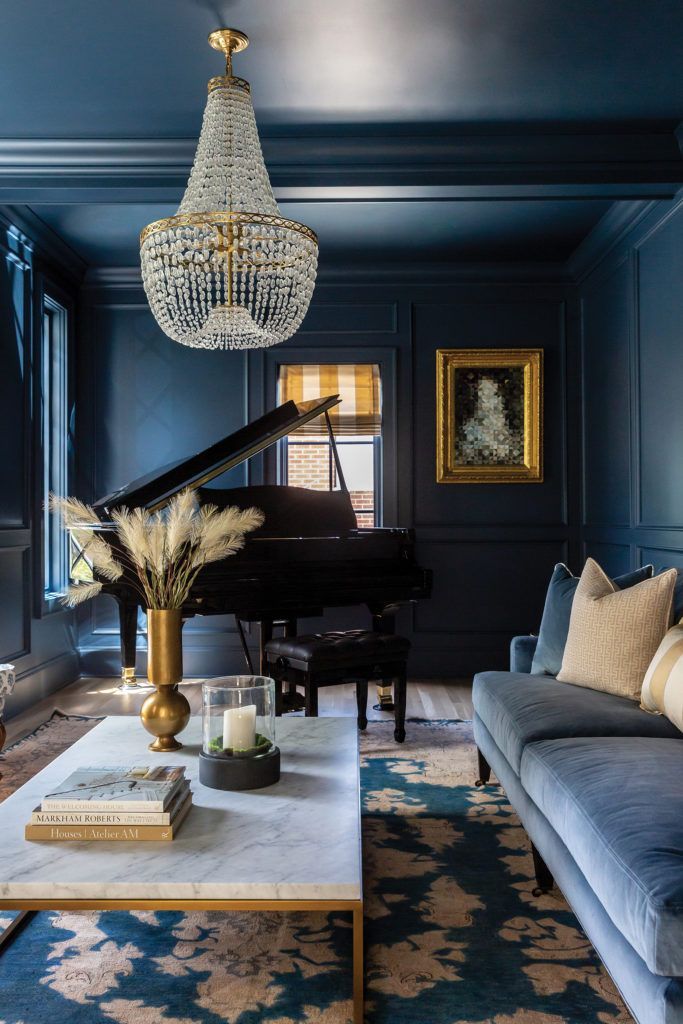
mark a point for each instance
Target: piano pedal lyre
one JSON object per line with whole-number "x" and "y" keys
{"x": 385, "y": 697}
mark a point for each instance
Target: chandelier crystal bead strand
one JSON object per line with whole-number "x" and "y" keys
{"x": 228, "y": 270}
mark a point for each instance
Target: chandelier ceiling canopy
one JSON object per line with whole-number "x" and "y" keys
{"x": 228, "y": 270}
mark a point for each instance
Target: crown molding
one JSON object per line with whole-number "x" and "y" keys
{"x": 618, "y": 221}
{"x": 382, "y": 273}
{"x": 112, "y": 277}
{"x": 43, "y": 241}
{"x": 633, "y": 159}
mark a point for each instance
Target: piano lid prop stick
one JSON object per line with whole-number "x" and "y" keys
{"x": 239, "y": 728}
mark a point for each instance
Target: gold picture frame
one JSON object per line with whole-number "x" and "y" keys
{"x": 489, "y": 415}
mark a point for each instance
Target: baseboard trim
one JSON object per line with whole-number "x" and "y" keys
{"x": 197, "y": 662}
{"x": 41, "y": 681}
{"x": 435, "y": 663}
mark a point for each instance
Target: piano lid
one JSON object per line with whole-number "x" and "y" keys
{"x": 156, "y": 489}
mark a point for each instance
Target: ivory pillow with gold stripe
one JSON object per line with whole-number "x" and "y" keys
{"x": 614, "y": 634}
{"x": 663, "y": 685}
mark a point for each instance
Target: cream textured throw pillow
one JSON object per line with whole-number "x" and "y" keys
{"x": 663, "y": 685}
{"x": 614, "y": 634}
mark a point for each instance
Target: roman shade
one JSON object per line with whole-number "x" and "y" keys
{"x": 358, "y": 386}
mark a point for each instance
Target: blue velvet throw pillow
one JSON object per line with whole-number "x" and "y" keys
{"x": 678, "y": 589}
{"x": 557, "y": 610}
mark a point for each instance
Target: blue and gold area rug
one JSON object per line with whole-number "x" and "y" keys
{"x": 453, "y": 933}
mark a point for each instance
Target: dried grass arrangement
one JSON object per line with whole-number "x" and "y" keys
{"x": 161, "y": 552}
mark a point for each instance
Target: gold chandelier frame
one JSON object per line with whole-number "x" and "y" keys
{"x": 226, "y": 217}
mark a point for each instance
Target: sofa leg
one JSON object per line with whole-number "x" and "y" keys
{"x": 543, "y": 877}
{"x": 484, "y": 769}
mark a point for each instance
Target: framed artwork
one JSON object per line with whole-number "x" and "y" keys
{"x": 489, "y": 415}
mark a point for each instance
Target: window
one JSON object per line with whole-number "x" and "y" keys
{"x": 55, "y": 436}
{"x": 307, "y": 456}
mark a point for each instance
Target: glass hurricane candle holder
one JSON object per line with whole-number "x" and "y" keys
{"x": 238, "y": 733}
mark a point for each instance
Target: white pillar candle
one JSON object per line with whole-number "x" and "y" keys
{"x": 239, "y": 728}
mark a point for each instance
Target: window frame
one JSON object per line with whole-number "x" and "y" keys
{"x": 374, "y": 441}
{"x": 50, "y": 292}
{"x": 265, "y": 469}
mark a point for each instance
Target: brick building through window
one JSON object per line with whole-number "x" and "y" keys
{"x": 307, "y": 457}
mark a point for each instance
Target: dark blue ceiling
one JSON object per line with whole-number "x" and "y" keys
{"x": 106, "y": 235}
{"x": 138, "y": 68}
{"x": 330, "y": 70}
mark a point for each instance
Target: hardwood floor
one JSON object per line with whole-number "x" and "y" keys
{"x": 87, "y": 696}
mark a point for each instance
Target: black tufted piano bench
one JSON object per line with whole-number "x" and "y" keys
{"x": 326, "y": 659}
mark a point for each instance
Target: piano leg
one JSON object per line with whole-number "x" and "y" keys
{"x": 128, "y": 619}
{"x": 384, "y": 622}
{"x": 292, "y": 702}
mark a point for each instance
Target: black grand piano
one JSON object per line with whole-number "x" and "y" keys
{"x": 308, "y": 555}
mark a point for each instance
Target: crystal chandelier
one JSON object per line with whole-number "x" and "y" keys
{"x": 228, "y": 271}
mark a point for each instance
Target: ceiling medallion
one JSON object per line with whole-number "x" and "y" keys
{"x": 228, "y": 271}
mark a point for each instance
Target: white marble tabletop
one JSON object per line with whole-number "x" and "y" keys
{"x": 297, "y": 840}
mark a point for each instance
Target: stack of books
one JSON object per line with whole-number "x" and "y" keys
{"x": 130, "y": 804}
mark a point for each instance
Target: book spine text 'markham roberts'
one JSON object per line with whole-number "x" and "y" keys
{"x": 107, "y": 833}
{"x": 127, "y": 817}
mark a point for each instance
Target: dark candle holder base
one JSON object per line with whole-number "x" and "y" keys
{"x": 240, "y": 773}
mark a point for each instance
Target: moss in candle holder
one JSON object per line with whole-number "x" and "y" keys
{"x": 261, "y": 746}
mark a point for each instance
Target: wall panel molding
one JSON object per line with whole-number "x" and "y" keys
{"x": 511, "y": 310}
{"x": 15, "y": 607}
{"x": 42, "y": 241}
{"x": 17, "y": 344}
{"x": 654, "y": 469}
{"x": 351, "y": 318}
{"x": 635, "y": 476}
{"x": 594, "y": 290}
{"x": 473, "y": 576}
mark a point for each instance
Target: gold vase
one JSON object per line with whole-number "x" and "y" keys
{"x": 166, "y": 712}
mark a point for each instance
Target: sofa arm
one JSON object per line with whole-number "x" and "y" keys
{"x": 522, "y": 650}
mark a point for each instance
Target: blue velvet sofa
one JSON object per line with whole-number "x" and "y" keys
{"x": 598, "y": 786}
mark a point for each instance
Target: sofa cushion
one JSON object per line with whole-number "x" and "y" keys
{"x": 517, "y": 709}
{"x": 678, "y": 589}
{"x": 663, "y": 684}
{"x": 617, "y": 804}
{"x": 552, "y": 637}
{"x": 614, "y": 634}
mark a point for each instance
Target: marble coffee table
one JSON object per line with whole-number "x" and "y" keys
{"x": 292, "y": 846}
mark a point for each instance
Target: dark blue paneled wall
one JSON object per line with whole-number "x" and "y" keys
{"x": 144, "y": 400}
{"x": 632, "y": 328}
{"x": 39, "y": 642}
{"x": 613, "y": 483}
